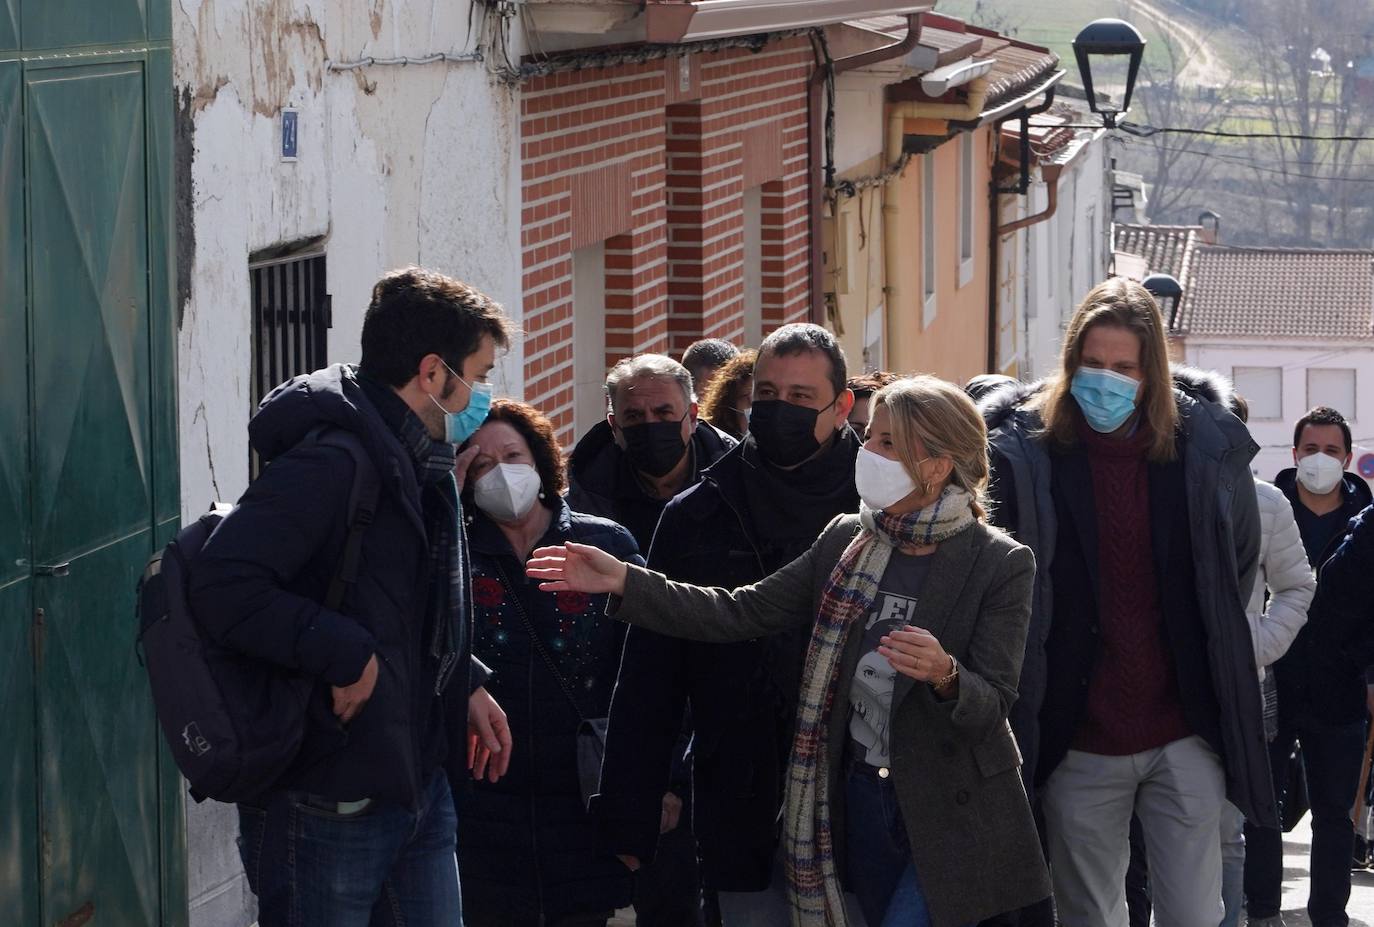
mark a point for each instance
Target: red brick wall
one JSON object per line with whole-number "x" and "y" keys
{"x": 686, "y": 140}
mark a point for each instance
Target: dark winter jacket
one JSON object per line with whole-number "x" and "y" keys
{"x": 1206, "y": 545}
{"x": 1322, "y": 674}
{"x": 259, "y": 581}
{"x": 743, "y": 696}
{"x": 526, "y": 845}
{"x": 602, "y": 482}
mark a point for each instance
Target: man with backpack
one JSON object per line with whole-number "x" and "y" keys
{"x": 360, "y": 827}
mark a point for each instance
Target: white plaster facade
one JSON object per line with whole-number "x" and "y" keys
{"x": 1294, "y": 359}
{"x": 396, "y": 165}
{"x": 1047, "y": 268}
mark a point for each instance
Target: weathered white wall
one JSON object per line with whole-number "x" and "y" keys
{"x": 397, "y": 165}
{"x": 1275, "y": 438}
{"x": 1047, "y": 268}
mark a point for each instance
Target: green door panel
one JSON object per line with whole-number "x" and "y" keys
{"x": 100, "y": 803}
{"x": 161, "y": 280}
{"x": 9, "y": 24}
{"x": 160, "y": 23}
{"x": 14, "y": 367}
{"x": 89, "y": 307}
{"x": 18, "y": 787}
{"x": 56, "y": 23}
{"x": 98, "y": 777}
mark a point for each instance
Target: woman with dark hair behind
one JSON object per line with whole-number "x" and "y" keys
{"x": 527, "y": 851}
{"x": 727, "y": 400}
{"x": 863, "y": 387}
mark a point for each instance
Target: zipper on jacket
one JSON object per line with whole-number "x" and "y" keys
{"x": 758, "y": 557}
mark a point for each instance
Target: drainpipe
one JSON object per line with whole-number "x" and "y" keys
{"x": 822, "y": 178}
{"x": 897, "y": 115}
{"x": 1050, "y": 174}
{"x": 1015, "y": 109}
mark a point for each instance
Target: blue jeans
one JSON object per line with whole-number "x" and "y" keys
{"x": 879, "y": 867}
{"x": 378, "y": 866}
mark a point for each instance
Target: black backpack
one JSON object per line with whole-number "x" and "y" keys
{"x": 234, "y": 723}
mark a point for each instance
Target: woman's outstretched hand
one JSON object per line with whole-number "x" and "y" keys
{"x": 576, "y": 568}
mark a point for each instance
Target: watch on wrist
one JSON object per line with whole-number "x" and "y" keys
{"x": 952, "y": 675}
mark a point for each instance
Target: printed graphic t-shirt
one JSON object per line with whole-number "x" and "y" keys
{"x": 870, "y": 693}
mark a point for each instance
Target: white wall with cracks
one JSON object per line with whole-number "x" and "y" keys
{"x": 396, "y": 165}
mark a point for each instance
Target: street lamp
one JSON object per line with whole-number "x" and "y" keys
{"x": 1168, "y": 293}
{"x": 1101, "y": 45}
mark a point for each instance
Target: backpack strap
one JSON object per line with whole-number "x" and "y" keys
{"x": 362, "y": 508}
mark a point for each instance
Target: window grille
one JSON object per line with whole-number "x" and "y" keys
{"x": 292, "y": 315}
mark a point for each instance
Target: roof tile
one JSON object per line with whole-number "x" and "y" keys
{"x": 1167, "y": 249}
{"x": 1280, "y": 293}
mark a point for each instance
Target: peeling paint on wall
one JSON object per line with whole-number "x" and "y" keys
{"x": 394, "y": 166}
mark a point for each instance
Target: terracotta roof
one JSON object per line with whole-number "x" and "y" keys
{"x": 1018, "y": 66}
{"x": 1167, "y": 249}
{"x": 1280, "y": 293}
{"x": 1049, "y": 134}
{"x": 951, "y": 44}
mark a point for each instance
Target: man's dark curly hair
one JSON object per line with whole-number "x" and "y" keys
{"x": 1323, "y": 415}
{"x": 415, "y": 312}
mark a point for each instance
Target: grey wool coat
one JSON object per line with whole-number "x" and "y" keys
{"x": 955, "y": 764}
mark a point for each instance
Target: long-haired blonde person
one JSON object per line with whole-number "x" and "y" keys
{"x": 904, "y": 784}
{"x": 1131, "y": 482}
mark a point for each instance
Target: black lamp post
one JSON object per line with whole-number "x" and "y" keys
{"x": 1102, "y": 42}
{"x": 1168, "y": 293}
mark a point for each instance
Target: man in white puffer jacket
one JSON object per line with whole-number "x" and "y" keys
{"x": 1287, "y": 577}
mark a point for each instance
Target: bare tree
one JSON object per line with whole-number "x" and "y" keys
{"x": 1176, "y": 165}
{"x": 1303, "y": 53}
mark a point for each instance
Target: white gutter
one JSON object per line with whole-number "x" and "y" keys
{"x": 940, "y": 81}
{"x": 714, "y": 19}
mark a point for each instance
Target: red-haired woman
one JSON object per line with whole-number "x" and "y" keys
{"x": 526, "y": 846}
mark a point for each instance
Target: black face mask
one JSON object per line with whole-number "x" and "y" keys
{"x": 784, "y": 433}
{"x": 655, "y": 447}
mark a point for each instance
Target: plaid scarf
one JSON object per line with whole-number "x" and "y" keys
{"x": 816, "y": 896}
{"x": 434, "y": 461}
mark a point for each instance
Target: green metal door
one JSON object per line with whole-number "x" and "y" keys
{"x": 18, "y": 789}
{"x": 91, "y": 827}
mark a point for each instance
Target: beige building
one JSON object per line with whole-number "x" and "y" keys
{"x": 908, "y": 239}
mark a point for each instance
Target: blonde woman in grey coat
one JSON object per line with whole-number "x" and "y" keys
{"x": 903, "y": 786}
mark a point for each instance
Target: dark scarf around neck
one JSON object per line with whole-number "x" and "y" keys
{"x": 797, "y": 504}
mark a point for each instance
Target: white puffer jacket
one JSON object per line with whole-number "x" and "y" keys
{"x": 1284, "y": 572}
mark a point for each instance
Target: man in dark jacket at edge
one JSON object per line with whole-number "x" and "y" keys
{"x": 1049, "y": 695}
{"x": 754, "y": 511}
{"x": 650, "y": 447}
{"x": 1321, "y": 682}
{"x": 365, "y": 817}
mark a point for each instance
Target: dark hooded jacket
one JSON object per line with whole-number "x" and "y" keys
{"x": 527, "y": 846}
{"x": 257, "y": 585}
{"x": 1321, "y": 676}
{"x": 602, "y": 483}
{"x": 1206, "y": 542}
{"x": 742, "y": 696}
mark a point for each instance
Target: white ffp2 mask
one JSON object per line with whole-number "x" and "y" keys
{"x": 1320, "y": 473}
{"x": 507, "y": 492}
{"x": 881, "y": 482}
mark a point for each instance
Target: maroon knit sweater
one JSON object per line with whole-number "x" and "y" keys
{"x": 1133, "y": 696}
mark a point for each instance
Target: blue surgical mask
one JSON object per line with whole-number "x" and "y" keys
{"x": 1106, "y": 397}
{"x": 459, "y": 426}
